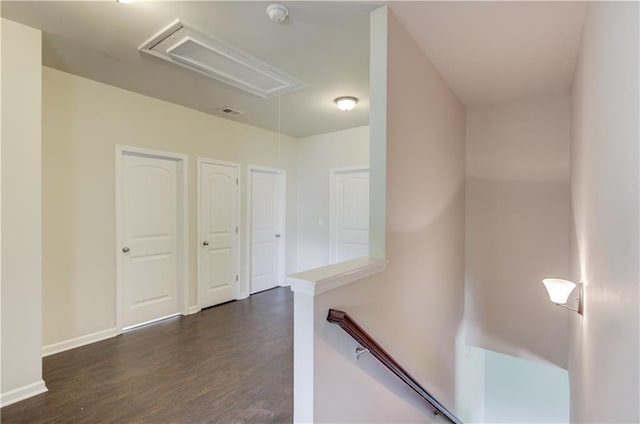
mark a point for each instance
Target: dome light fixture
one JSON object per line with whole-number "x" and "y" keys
{"x": 346, "y": 103}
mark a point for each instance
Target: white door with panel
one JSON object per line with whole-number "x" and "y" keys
{"x": 218, "y": 232}
{"x": 149, "y": 234}
{"x": 349, "y": 228}
{"x": 267, "y": 228}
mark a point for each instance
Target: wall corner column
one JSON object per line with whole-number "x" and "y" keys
{"x": 303, "y": 335}
{"x": 21, "y": 218}
{"x": 378, "y": 132}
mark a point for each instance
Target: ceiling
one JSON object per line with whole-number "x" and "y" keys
{"x": 493, "y": 52}
{"x": 326, "y": 45}
{"x": 489, "y": 52}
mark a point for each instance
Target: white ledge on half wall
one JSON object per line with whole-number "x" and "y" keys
{"x": 320, "y": 280}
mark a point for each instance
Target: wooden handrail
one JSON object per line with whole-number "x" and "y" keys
{"x": 366, "y": 341}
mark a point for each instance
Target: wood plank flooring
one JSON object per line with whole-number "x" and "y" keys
{"x": 229, "y": 364}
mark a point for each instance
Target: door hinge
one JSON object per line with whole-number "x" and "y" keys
{"x": 236, "y": 181}
{"x": 236, "y": 278}
{"x": 236, "y": 230}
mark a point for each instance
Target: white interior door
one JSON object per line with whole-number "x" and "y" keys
{"x": 218, "y": 232}
{"x": 349, "y": 226}
{"x": 267, "y": 228}
{"x": 149, "y": 235}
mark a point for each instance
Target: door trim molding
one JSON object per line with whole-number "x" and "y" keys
{"x": 182, "y": 226}
{"x": 333, "y": 173}
{"x": 282, "y": 251}
{"x": 199, "y": 161}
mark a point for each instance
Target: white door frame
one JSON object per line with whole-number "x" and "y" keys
{"x": 332, "y": 212}
{"x": 236, "y": 265}
{"x": 282, "y": 251}
{"x": 182, "y": 228}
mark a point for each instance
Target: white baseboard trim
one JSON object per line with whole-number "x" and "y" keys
{"x": 79, "y": 341}
{"x": 242, "y": 295}
{"x": 192, "y": 310}
{"x": 21, "y": 393}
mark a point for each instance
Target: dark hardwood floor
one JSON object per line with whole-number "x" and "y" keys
{"x": 229, "y": 364}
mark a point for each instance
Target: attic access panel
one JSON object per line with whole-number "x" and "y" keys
{"x": 192, "y": 49}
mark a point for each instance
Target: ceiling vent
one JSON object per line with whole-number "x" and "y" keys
{"x": 187, "y": 47}
{"x": 230, "y": 111}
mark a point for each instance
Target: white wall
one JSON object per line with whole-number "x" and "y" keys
{"x": 498, "y": 388}
{"x": 316, "y": 156}
{"x": 21, "y": 212}
{"x": 415, "y": 307}
{"x": 516, "y": 390}
{"x": 603, "y": 365}
{"x": 518, "y": 226}
{"x": 521, "y": 391}
{"x": 82, "y": 122}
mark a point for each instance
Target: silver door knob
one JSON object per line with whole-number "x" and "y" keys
{"x": 205, "y": 243}
{"x": 125, "y": 249}
{"x": 277, "y": 235}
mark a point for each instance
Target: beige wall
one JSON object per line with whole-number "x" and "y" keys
{"x": 21, "y": 211}
{"x": 603, "y": 365}
{"x": 425, "y": 211}
{"x": 82, "y": 122}
{"x": 316, "y": 156}
{"x": 415, "y": 307}
{"x": 518, "y": 226}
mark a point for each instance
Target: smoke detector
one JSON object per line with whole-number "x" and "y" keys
{"x": 277, "y": 12}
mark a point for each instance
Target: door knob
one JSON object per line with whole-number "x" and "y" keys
{"x": 125, "y": 249}
{"x": 205, "y": 243}
{"x": 277, "y": 235}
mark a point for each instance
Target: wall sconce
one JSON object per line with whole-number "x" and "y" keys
{"x": 559, "y": 291}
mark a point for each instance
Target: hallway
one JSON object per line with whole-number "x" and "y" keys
{"x": 228, "y": 364}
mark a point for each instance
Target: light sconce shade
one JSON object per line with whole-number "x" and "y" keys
{"x": 346, "y": 103}
{"x": 559, "y": 291}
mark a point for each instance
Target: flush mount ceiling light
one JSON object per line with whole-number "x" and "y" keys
{"x": 559, "y": 291}
{"x": 277, "y": 12}
{"x": 346, "y": 103}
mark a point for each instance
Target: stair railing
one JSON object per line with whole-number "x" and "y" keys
{"x": 368, "y": 344}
